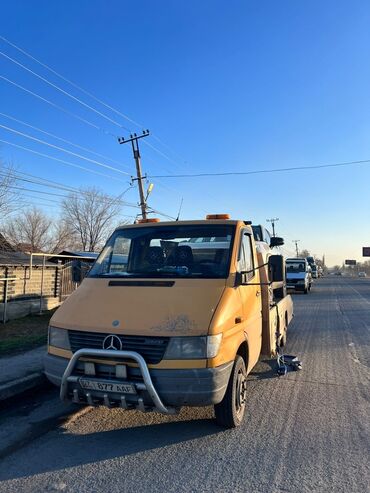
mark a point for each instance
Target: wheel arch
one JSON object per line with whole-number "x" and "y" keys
{"x": 243, "y": 351}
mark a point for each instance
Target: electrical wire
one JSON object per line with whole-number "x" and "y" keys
{"x": 107, "y": 199}
{"x": 66, "y": 93}
{"x": 70, "y": 82}
{"x": 98, "y": 163}
{"x": 60, "y": 108}
{"x": 60, "y": 160}
{"x": 73, "y": 97}
{"x": 53, "y": 194}
{"x": 103, "y": 103}
{"x": 255, "y": 172}
{"x": 62, "y": 139}
{"x": 39, "y": 182}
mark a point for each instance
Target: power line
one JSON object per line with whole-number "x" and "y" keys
{"x": 74, "y": 190}
{"x": 98, "y": 163}
{"x": 70, "y": 82}
{"x": 39, "y": 180}
{"x": 66, "y": 93}
{"x": 255, "y": 172}
{"x": 100, "y": 101}
{"x": 62, "y": 139}
{"x": 70, "y": 113}
{"x": 59, "y": 160}
{"x": 60, "y": 108}
{"x": 14, "y": 187}
{"x": 76, "y": 99}
{"x": 53, "y": 194}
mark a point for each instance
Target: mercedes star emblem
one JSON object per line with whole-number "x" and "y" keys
{"x": 112, "y": 342}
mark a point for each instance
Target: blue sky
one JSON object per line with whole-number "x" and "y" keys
{"x": 228, "y": 86}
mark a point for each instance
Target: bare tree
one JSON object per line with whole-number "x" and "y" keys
{"x": 90, "y": 215}
{"x": 62, "y": 238}
{"x": 30, "y": 230}
{"x": 304, "y": 253}
{"x": 8, "y": 195}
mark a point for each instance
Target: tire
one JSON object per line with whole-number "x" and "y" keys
{"x": 230, "y": 411}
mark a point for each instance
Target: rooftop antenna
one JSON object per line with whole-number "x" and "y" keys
{"x": 178, "y": 215}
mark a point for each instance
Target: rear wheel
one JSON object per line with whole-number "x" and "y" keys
{"x": 284, "y": 336}
{"x": 230, "y": 411}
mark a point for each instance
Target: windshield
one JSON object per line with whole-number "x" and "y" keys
{"x": 296, "y": 267}
{"x": 169, "y": 251}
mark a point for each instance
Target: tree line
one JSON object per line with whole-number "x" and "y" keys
{"x": 85, "y": 221}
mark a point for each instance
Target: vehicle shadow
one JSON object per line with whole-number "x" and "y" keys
{"x": 73, "y": 450}
{"x": 264, "y": 370}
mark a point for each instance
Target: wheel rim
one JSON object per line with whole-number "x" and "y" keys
{"x": 241, "y": 392}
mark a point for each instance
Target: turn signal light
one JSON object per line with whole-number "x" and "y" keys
{"x": 150, "y": 220}
{"x": 218, "y": 216}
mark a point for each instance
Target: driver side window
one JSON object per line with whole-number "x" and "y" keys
{"x": 245, "y": 258}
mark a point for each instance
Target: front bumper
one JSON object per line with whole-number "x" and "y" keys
{"x": 164, "y": 391}
{"x": 297, "y": 286}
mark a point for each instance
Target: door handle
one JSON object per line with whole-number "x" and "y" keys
{"x": 258, "y": 293}
{"x": 238, "y": 320}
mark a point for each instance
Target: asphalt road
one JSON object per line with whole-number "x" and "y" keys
{"x": 308, "y": 431}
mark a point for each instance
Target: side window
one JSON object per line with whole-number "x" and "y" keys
{"x": 245, "y": 258}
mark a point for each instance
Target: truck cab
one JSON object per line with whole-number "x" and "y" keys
{"x": 171, "y": 314}
{"x": 298, "y": 274}
{"x": 314, "y": 271}
{"x": 314, "y": 267}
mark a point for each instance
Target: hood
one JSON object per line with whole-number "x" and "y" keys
{"x": 141, "y": 307}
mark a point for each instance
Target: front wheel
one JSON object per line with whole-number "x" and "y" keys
{"x": 230, "y": 411}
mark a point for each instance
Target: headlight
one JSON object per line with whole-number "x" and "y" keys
{"x": 59, "y": 338}
{"x": 193, "y": 347}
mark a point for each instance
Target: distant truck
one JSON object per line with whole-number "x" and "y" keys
{"x": 314, "y": 271}
{"x": 298, "y": 274}
{"x": 314, "y": 267}
{"x": 171, "y": 314}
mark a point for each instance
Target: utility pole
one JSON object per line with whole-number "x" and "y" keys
{"x": 134, "y": 139}
{"x": 273, "y": 220}
{"x": 296, "y": 246}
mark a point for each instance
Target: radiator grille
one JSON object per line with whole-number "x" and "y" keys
{"x": 151, "y": 349}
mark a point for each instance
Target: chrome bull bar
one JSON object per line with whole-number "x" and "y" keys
{"x": 132, "y": 355}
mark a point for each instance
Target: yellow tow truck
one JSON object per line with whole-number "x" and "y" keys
{"x": 171, "y": 314}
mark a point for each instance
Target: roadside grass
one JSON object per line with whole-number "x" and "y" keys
{"x": 24, "y": 333}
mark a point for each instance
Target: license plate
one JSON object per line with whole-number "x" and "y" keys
{"x": 120, "y": 388}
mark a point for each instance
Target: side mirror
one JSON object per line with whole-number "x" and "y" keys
{"x": 276, "y": 264}
{"x": 276, "y": 241}
{"x": 238, "y": 279}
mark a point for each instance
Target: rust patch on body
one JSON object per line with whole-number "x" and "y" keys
{"x": 181, "y": 325}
